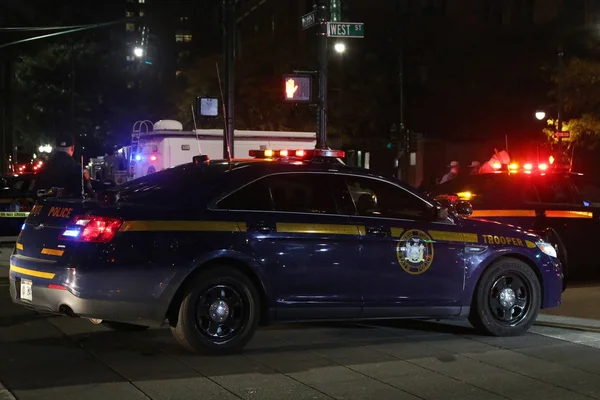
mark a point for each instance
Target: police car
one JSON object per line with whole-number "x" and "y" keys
{"x": 560, "y": 205}
{"x": 214, "y": 249}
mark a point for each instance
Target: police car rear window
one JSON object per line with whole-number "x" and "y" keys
{"x": 175, "y": 185}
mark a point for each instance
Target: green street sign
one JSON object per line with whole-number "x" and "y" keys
{"x": 346, "y": 30}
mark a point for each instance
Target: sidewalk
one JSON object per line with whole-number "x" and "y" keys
{"x": 5, "y": 251}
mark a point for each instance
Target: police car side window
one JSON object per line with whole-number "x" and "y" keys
{"x": 375, "y": 198}
{"x": 302, "y": 192}
{"x": 255, "y": 197}
{"x": 554, "y": 191}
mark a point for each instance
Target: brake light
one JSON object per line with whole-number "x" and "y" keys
{"x": 542, "y": 167}
{"x": 153, "y": 158}
{"x": 513, "y": 166}
{"x": 283, "y": 153}
{"x": 92, "y": 229}
{"x": 300, "y": 153}
{"x": 496, "y": 165}
{"x": 528, "y": 167}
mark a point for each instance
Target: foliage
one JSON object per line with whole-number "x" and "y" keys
{"x": 580, "y": 82}
{"x": 45, "y": 90}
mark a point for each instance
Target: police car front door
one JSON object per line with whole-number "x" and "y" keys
{"x": 308, "y": 251}
{"x": 409, "y": 263}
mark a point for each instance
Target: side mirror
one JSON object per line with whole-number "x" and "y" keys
{"x": 463, "y": 208}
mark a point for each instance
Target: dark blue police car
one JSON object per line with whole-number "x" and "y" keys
{"x": 214, "y": 249}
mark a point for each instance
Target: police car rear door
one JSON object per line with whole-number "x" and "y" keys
{"x": 410, "y": 264}
{"x": 577, "y": 225}
{"x": 308, "y": 250}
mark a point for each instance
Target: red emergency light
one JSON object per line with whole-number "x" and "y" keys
{"x": 302, "y": 154}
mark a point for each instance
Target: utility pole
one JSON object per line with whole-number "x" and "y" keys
{"x": 229, "y": 25}
{"x": 322, "y": 17}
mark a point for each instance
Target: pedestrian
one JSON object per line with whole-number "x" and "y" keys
{"x": 453, "y": 173}
{"x": 61, "y": 170}
{"x": 475, "y": 166}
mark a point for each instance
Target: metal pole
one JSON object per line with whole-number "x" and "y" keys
{"x": 322, "y": 17}
{"x": 229, "y": 24}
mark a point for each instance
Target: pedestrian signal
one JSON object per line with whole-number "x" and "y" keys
{"x": 297, "y": 88}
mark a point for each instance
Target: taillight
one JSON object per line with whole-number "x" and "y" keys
{"x": 91, "y": 229}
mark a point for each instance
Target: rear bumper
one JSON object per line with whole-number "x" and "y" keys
{"x": 66, "y": 291}
{"x": 62, "y": 301}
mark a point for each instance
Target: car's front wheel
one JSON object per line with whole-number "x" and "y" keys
{"x": 507, "y": 299}
{"x": 219, "y": 312}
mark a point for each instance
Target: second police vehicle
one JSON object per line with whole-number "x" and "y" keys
{"x": 213, "y": 249}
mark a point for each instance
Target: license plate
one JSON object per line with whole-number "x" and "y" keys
{"x": 26, "y": 292}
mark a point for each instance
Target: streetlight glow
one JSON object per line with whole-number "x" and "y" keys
{"x": 45, "y": 148}
{"x": 138, "y": 52}
{"x": 540, "y": 115}
{"x": 340, "y": 47}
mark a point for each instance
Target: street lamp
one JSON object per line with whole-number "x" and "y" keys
{"x": 138, "y": 52}
{"x": 340, "y": 47}
{"x": 540, "y": 115}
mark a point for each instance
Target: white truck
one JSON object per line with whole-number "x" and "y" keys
{"x": 168, "y": 145}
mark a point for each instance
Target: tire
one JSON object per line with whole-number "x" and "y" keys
{"x": 123, "y": 327}
{"x": 518, "y": 282}
{"x": 219, "y": 290}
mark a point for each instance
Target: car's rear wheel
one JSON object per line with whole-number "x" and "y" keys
{"x": 507, "y": 299}
{"x": 219, "y": 312}
{"x": 123, "y": 327}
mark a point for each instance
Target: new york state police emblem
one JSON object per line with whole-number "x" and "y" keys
{"x": 415, "y": 251}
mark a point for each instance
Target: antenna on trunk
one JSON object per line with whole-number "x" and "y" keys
{"x": 224, "y": 116}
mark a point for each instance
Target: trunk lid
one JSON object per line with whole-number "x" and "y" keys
{"x": 40, "y": 235}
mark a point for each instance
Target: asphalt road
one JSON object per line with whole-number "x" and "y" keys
{"x": 45, "y": 357}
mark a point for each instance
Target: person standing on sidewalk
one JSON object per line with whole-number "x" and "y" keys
{"x": 61, "y": 170}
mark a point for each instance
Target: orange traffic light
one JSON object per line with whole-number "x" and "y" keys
{"x": 297, "y": 88}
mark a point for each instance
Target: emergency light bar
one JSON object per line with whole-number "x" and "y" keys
{"x": 303, "y": 154}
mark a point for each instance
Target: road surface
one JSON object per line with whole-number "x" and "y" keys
{"x": 43, "y": 357}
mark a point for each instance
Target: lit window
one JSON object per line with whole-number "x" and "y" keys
{"x": 130, "y": 58}
{"x": 129, "y": 27}
{"x": 187, "y": 38}
{"x": 177, "y": 73}
{"x": 183, "y": 19}
{"x": 130, "y": 85}
{"x": 129, "y": 14}
{"x": 179, "y": 38}
{"x": 142, "y": 1}
{"x": 141, "y": 13}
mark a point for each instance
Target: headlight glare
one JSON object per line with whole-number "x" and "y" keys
{"x": 547, "y": 249}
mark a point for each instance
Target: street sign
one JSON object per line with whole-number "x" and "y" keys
{"x": 297, "y": 88}
{"x": 208, "y": 106}
{"x": 562, "y": 134}
{"x": 346, "y": 30}
{"x": 309, "y": 20}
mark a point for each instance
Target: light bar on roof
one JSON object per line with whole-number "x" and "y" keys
{"x": 300, "y": 153}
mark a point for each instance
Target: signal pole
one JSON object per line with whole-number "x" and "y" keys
{"x": 322, "y": 17}
{"x": 229, "y": 57}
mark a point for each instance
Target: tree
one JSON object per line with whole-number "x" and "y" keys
{"x": 580, "y": 82}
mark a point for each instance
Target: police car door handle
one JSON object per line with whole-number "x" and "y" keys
{"x": 378, "y": 231}
{"x": 261, "y": 227}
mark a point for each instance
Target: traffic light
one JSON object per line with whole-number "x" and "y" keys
{"x": 297, "y": 88}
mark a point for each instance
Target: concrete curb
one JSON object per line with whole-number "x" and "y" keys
{"x": 579, "y": 324}
{"x": 5, "y": 394}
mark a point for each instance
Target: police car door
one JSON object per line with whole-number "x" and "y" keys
{"x": 409, "y": 262}
{"x": 308, "y": 250}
